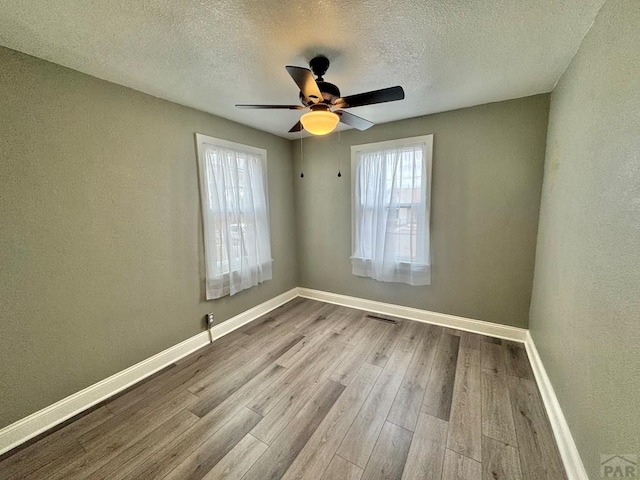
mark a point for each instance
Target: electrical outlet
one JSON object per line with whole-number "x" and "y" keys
{"x": 210, "y": 319}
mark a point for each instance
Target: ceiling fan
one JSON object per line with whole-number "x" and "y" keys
{"x": 321, "y": 97}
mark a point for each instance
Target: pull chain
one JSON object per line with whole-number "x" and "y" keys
{"x": 301, "y": 157}
{"x": 339, "y": 158}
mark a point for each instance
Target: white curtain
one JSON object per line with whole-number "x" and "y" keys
{"x": 236, "y": 220}
{"x": 391, "y": 215}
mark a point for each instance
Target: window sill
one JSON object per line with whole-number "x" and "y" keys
{"x": 221, "y": 285}
{"x": 400, "y": 264}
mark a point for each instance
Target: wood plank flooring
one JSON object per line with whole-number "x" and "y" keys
{"x": 316, "y": 391}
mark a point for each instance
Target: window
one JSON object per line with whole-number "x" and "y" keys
{"x": 391, "y": 193}
{"x": 235, "y": 213}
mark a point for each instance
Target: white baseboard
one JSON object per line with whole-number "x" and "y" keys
{"x": 568, "y": 450}
{"x": 47, "y": 418}
{"x": 19, "y": 432}
{"x": 42, "y": 420}
{"x": 459, "y": 323}
{"x": 250, "y": 315}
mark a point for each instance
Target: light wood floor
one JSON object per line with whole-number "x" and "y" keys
{"x": 316, "y": 391}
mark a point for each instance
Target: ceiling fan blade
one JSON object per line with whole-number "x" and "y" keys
{"x": 297, "y": 127}
{"x": 390, "y": 94}
{"x": 307, "y": 84}
{"x": 279, "y": 107}
{"x": 353, "y": 120}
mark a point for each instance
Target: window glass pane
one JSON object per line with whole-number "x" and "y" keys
{"x": 235, "y": 216}
{"x": 390, "y": 210}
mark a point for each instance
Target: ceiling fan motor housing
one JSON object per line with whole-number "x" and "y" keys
{"x": 329, "y": 91}
{"x": 319, "y": 66}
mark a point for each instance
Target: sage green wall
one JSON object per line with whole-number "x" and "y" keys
{"x": 487, "y": 175}
{"x": 585, "y": 309}
{"x": 100, "y": 243}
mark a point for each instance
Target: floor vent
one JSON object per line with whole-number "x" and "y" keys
{"x": 380, "y": 319}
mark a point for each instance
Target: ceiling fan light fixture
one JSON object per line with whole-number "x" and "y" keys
{"x": 321, "y": 97}
{"x": 319, "y": 122}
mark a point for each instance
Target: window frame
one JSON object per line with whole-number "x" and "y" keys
{"x": 201, "y": 142}
{"x": 427, "y": 140}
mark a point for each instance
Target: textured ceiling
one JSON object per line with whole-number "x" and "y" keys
{"x": 209, "y": 55}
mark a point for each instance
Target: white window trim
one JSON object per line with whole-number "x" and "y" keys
{"x": 218, "y": 142}
{"x": 201, "y": 141}
{"x": 369, "y": 147}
